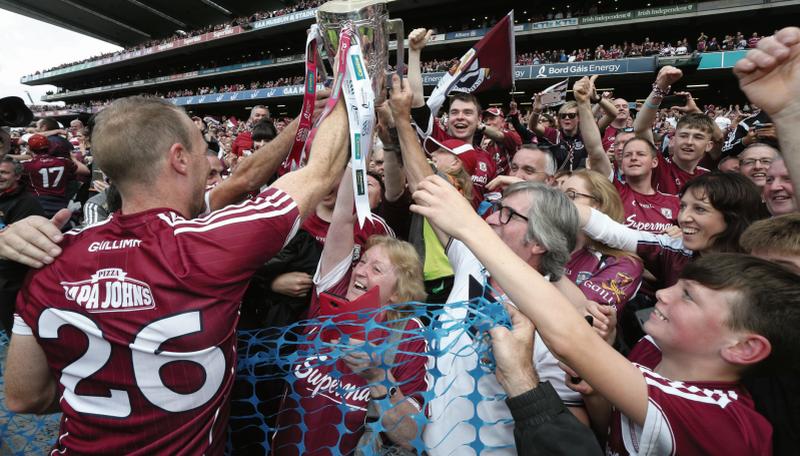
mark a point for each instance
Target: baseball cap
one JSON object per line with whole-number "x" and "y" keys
{"x": 38, "y": 142}
{"x": 494, "y": 111}
{"x": 464, "y": 151}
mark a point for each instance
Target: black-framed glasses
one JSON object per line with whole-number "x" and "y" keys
{"x": 505, "y": 213}
{"x": 568, "y": 115}
{"x": 572, "y": 194}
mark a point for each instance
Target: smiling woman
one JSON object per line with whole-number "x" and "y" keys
{"x": 715, "y": 210}
{"x": 331, "y": 392}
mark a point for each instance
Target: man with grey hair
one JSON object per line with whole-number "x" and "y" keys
{"x": 530, "y": 164}
{"x": 540, "y": 225}
{"x": 154, "y": 290}
{"x": 243, "y": 144}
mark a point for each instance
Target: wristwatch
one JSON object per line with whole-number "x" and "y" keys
{"x": 389, "y": 394}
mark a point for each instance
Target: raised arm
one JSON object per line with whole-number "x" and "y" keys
{"x": 536, "y": 111}
{"x": 562, "y": 328}
{"x": 339, "y": 242}
{"x": 643, "y": 125}
{"x": 417, "y": 40}
{"x": 415, "y": 163}
{"x": 394, "y": 178}
{"x": 770, "y": 77}
{"x": 328, "y": 155}
{"x": 253, "y": 171}
{"x": 598, "y": 160}
{"x": 610, "y": 111}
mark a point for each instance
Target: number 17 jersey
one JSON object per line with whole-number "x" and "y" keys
{"x": 138, "y": 318}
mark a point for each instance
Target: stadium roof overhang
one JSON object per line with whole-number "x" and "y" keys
{"x": 130, "y": 22}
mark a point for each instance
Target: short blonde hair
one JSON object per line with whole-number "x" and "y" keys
{"x": 407, "y": 266}
{"x": 130, "y": 137}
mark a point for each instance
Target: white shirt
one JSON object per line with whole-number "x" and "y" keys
{"x": 454, "y": 428}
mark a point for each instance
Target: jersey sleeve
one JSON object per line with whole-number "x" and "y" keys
{"x": 684, "y": 419}
{"x": 511, "y": 140}
{"x": 232, "y": 242}
{"x": 616, "y": 283}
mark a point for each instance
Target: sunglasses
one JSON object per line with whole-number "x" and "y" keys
{"x": 568, "y": 115}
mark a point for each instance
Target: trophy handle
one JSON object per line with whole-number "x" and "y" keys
{"x": 396, "y": 26}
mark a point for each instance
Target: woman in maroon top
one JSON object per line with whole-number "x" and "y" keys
{"x": 325, "y": 407}
{"x": 715, "y": 209}
{"x": 607, "y": 276}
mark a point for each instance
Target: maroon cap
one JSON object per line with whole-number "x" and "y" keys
{"x": 464, "y": 151}
{"x": 494, "y": 111}
{"x": 38, "y": 142}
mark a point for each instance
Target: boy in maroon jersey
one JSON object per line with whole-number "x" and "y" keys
{"x": 645, "y": 208}
{"x": 681, "y": 395}
{"x": 694, "y": 137}
{"x": 137, "y": 318}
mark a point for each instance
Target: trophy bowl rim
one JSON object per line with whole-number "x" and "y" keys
{"x": 348, "y": 6}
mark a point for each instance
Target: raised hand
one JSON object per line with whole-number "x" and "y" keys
{"x": 770, "y": 74}
{"x": 418, "y": 39}
{"x": 400, "y": 98}
{"x": 667, "y": 76}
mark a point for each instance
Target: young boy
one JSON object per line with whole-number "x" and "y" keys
{"x": 680, "y": 392}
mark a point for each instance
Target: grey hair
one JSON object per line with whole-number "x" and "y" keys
{"x": 549, "y": 161}
{"x": 552, "y": 223}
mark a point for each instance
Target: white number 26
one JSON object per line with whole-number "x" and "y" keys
{"x": 147, "y": 361}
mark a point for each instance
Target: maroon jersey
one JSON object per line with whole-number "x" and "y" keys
{"x": 47, "y": 175}
{"x": 330, "y": 394}
{"x": 318, "y": 228}
{"x": 669, "y": 178}
{"x": 504, "y": 151}
{"x": 609, "y": 136}
{"x": 605, "y": 279}
{"x": 485, "y": 171}
{"x": 689, "y": 418}
{"x": 652, "y": 213}
{"x": 138, "y": 320}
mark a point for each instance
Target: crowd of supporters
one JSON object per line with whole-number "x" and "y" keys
{"x": 673, "y": 231}
{"x": 544, "y": 12}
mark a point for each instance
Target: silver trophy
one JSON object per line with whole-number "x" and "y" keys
{"x": 370, "y": 20}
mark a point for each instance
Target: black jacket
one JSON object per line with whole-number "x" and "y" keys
{"x": 544, "y": 426}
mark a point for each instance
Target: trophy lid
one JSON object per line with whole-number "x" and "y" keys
{"x": 347, "y": 6}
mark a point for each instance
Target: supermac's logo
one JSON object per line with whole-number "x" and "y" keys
{"x": 357, "y": 67}
{"x": 110, "y": 290}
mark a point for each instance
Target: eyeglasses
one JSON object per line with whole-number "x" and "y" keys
{"x": 572, "y": 194}
{"x": 752, "y": 161}
{"x": 505, "y": 213}
{"x": 568, "y": 115}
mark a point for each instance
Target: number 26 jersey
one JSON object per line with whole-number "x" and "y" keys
{"x": 138, "y": 318}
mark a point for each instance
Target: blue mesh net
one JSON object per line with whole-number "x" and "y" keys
{"x": 296, "y": 389}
